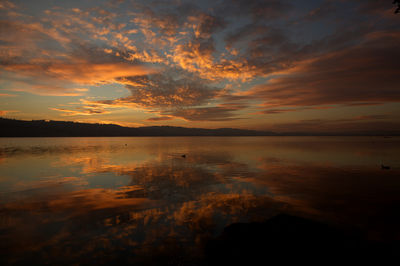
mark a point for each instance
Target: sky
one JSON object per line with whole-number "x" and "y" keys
{"x": 285, "y": 66}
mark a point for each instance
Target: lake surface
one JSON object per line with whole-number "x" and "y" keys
{"x": 136, "y": 199}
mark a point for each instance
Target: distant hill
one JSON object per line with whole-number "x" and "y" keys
{"x": 43, "y": 128}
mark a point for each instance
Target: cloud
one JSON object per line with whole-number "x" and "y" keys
{"x": 164, "y": 91}
{"x": 285, "y": 110}
{"x": 4, "y": 4}
{"x": 365, "y": 73}
{"x": 4, "y": 112}
{"x": 167, "y": 24}
{"x": 174, "y": 95}
{"x": 21, "y": 37}
{"x": 32, "y": 58}
{"x": 81, "y": 111}
{"x": 88, "y": 73}
{"x": 265, "y": 49}
{"x": 217, "y": 113}
{"x": 197, "y": 56}
{"x": 276, "y": 111}
{"x": 375, "y": 124}
{"x": 159, "y": 118}
{"x": 204, "y": 25}
{"x": 87, "y": 108}
{"x": 81, "y": 72}
{"x": 7, "y": 95}
{"x": 372, "y": 117}
{"x": 186, "y": 32}
{"x": 373, "y": 6}
{"x": 363, "y": 103}
{"x": 245, "y": 33}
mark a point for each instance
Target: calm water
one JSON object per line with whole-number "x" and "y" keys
{"x": 68, "y": 200}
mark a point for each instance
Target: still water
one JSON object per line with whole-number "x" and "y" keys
{"x": 96, "y": 200}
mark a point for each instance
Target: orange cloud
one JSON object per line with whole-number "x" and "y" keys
{"x": 82, "y": 111}
{"x": 82, "y": 72}
{"x": 89, "y": 73}
{"x": 4, "y": 112}
{"x": 197, "y": 56}
{"x": 7, "y": 95}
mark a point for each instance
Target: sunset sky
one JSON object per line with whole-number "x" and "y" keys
{"x": 331, "y": 66}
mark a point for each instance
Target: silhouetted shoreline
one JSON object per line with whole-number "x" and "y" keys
{"x": 44, "y": 128}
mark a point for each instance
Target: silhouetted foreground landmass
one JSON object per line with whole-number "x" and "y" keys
{"x": 43, "y": 128}
{"x": 287, "y": 239}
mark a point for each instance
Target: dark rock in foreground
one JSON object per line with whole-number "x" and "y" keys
{"x": 289, "y": 239}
